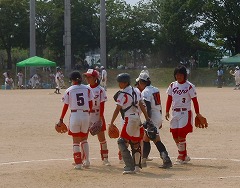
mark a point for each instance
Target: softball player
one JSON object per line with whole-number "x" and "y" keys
{"x": 57, "y": 80}
{"x": 151, "y": 97}
{"x": 78, "y": 98}
{"x": 20, "y": 79}
{"x": 236, "y": 74}
{"x": 180, "y": 94}
{"x": 103, "y": 78}
{"x": 97, "y": 112}
{"x": 128, "y": 102}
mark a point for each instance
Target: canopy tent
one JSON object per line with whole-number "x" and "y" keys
{"x": 35, "y": 62}
{"x": 234, "y": 60}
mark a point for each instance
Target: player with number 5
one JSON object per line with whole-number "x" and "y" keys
{"x": 78, "y": 98}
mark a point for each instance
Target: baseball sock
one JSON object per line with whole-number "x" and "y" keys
{"x": 146, "y": 149}
{"x": 85, "y": 150}
{"x": 182, "y": 149}
{"x": 77, "y": 154}
{"x": 161, "y": 148}
{"x": 104, "y": 150}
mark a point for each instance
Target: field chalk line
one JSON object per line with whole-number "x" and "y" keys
{"x": 66, "y": 159}
{"x": 166, "y": 179}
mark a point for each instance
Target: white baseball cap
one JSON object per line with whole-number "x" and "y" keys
{"x": 143, "y": 76}
{"x": 102, "y": 67}
{"x": 237, "y": 67}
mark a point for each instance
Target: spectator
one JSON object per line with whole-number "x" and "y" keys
{"x": 103, "y": 78}
{"x": 219, "y": 77}
{"x": 20, "y": 79}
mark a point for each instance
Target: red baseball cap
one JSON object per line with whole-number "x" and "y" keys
{"x": 91, "y": 72}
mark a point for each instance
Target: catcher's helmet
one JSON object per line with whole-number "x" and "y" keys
{"x": 75, "y": 76}
{"x": 181, "y": 70}
{"x": 124, "y": 77}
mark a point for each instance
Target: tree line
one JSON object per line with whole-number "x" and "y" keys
{"x": 156, "y": 33}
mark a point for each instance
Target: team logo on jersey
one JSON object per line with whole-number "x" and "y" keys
{"x": 179, "y": 91}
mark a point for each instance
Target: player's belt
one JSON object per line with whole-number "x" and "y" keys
{"x": 93, "y": 111}
{"x": 79, "y": 110}
{"x": 179, "y": 109}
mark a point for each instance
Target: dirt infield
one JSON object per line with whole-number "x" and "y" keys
{"x": 32, "y": 154}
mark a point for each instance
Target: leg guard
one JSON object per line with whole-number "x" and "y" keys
{"x": 127, "y": 158}
{"x": 167, "y": 163}
{"x": 136, "y": 153}
{"x": 146, "y": 149}
{"x": 160, "y": 146}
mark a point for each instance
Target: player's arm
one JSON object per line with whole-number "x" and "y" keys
{"x": 64, "y": 111}
{"x": 101, "y": 110}
{"x": 196, "y": 106}
{"x": 90, "y": 103}
{"x": 148, "y": 105}
{"x": 168, "y": 106}
{"x": 142, "y": 107}
{"x": 115, "y": 113}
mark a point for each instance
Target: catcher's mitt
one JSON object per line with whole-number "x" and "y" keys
{"x": 113, "y": 131}
{"x": 61, "y": 127}
{"x": 201, "y": 122}
{"x": 96, "y": 127}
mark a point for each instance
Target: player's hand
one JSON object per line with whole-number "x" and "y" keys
{"x": 167, "y": 116}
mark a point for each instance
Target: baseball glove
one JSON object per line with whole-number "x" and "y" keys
{"x": 96, "y": 127}
{"x": 61, "y": 127}
{"x": 201, "y": 122}
{"x": 113, "y": 131}
{"x": 150, "y": 129}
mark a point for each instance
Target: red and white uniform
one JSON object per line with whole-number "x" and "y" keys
{"x": 182, "y": 95}
{"x": 99, "y": 97}
{"x": 77, "y": 97}
{"x": 131, "y": 126}
{"x": 152, "y": 94}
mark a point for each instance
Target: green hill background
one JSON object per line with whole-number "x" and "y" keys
{"x": 160, "y": 77}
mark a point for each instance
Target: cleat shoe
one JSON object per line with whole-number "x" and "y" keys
{"x": 106, "y": 162}
{"x": 78, "y": 167}
{"x": 128, "y": 172}
{"x": 166, "y": 165}
{"x": 144, "y": 163}
{"x": 149, "y": 159}
{"x": 86, "y": 164}
{"x": 180, "y": 161}
{"x": 137, "y": 169}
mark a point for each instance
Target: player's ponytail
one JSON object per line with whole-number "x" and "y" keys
{"x": 98, "y": 81}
